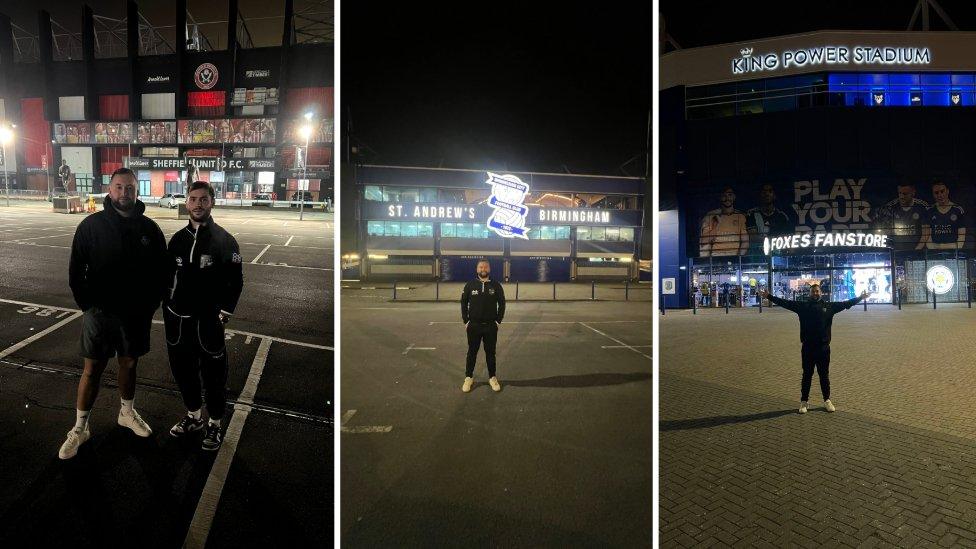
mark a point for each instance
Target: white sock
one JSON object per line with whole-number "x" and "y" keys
{"x": 215, "y": 422}
{"x": 81, "y": 419}
{"x": 195, "y": 414}
{"x": 127, "y": 406}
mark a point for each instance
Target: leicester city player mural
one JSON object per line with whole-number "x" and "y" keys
{"x": 903, "y": 218}
{"x": 946, "y": 229}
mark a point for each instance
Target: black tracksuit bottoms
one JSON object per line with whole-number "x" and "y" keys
{"x": 197, "y": 350}
{"x": 815, "y": 355}
{"x": 478, "y": 332}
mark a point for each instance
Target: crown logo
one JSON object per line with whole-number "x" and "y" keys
{"x": 746, "y": 52}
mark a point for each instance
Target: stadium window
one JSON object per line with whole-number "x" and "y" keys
{"x": 627, "y": 234}
{"x": 410, "y": 194}
{"x": 374, "y": 228}
{"x": 409, "y": 229}
{"x": 613, "y": 234}
{"x": 374, "y": 192}
{"x": 562, "y": 232}
{"x": 392, "y": 228}
{"x": 463, "y": 230}
{"x": 598, "y": 233}
{"x": 582, "y": 233}
{"x": 391, "y": 194}
{"x": 428, "y": 194}
{"x": 425, "y": 229}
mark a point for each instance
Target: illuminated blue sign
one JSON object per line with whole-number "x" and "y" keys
{"x": 508, "y": 206}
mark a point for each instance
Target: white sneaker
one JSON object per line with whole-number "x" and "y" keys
{"x": 76, "y": 437}
{"x": 829, "y": 406}
{"x": 468, "y": 382}
{"x": 803, "y": 406}
{"x": 495, "y": 386}
{"x": 135, "y": 422}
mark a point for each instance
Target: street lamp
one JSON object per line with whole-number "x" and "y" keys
{"x": 6, "y": 136}
{"x": 306, "y": 131}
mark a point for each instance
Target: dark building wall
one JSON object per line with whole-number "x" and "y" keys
{"x": 310, "y": 65}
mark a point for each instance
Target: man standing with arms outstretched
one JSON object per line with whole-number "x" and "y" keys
{"x": 206, "y": 279}
{"x": 816, "y": 317}
{"x": 116, "y": 274}
{"x": 482, "y": 309}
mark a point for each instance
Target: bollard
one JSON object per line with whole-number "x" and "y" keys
{"x": 554, "y": 290}
{"x": 933, "y": 299}
{"x": 664, "y": 305}
{"x": 516, "y": 290}
{"x": 969, "y": 297}
{"x": 726, "y": 303}
{"x": 437, "y": 290}
{"x": 592, "y": 290}
{"x": 899, "y": 301}
{"x": 865, "y": 305}
{"x": 627, "y": 290}
{"x": 394, "y": 290}
{"x": 760, "y": 304}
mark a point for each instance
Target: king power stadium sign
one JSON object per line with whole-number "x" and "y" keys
{"x": 749, "y": 61}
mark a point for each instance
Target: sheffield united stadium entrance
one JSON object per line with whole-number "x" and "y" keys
{"x": 788, "y": 161}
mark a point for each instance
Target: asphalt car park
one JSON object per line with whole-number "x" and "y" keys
{"x": 162, "y": 492}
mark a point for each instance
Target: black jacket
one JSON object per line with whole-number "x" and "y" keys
{"x": 118, "y": 264}
{"x": 205, "y": 272}
{"x": 482, "y": 301}
{"x": 816, "y": 317}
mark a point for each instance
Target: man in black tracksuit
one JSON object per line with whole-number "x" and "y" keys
{"x": 816, "y": 317}
{"x": 206, "y": 279}
{"x": 482, "y": 309}
{"x": 116, "y": 274}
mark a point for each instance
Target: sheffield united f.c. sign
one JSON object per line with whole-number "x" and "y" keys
{"x": 205, "y": 76}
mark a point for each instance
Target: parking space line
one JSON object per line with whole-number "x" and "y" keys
{"x": 618, "y": 341}
{"x": 160, "y": 322}
{"x": 255, "y": 260}
{"x": 26, "y": 304}
{"x": 20, "y": 345}
{"x": 625, "y": 346}
{"x": 286, "y": 266}
{"x": 362, "y": 429}
{"x": 289, "y": 240}
{"x": 412, "y": 348}
{"x": 196, "y": 536}
{"x": 38, "y": 237}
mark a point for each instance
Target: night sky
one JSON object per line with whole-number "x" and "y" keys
{"x": 500, "y": 87}
{"x": 722, "y": 22}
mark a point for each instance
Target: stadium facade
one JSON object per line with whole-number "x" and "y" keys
{"x": 838, "y": 157}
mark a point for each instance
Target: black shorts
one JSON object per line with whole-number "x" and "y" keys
{"x": 104, "y": 335}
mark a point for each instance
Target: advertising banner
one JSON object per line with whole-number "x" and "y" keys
{"x": 240, "y": 130}
{"x": 736, "y": 219}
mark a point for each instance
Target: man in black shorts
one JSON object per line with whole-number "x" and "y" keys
{"x": 206, "y": 279}
{"x": 117, "y": 277}
{"x": 482, "y": 309}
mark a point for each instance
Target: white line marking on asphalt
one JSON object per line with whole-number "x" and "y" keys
{"x": 625, "y": 346}
{"x": 196, "y": 536}
{"x": 412, "y": 348}
{"x": 255, "y": 260}
{"x": 289, "y": 240}
{"x": 545, "y": 321}
{"x": 363, "y": 429}
{"x": 618, "y": 341}
{"x": 247, "y": 341}
{"x": 271, "y": 338}
{"x": 26, "y": 304}
{"x": 18, "y": 346}
{"x": 160, "y": 322}
{"x": 287, "y": 266}
{"x": 34, "y": 244}
{"x": 37, "y": 237}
